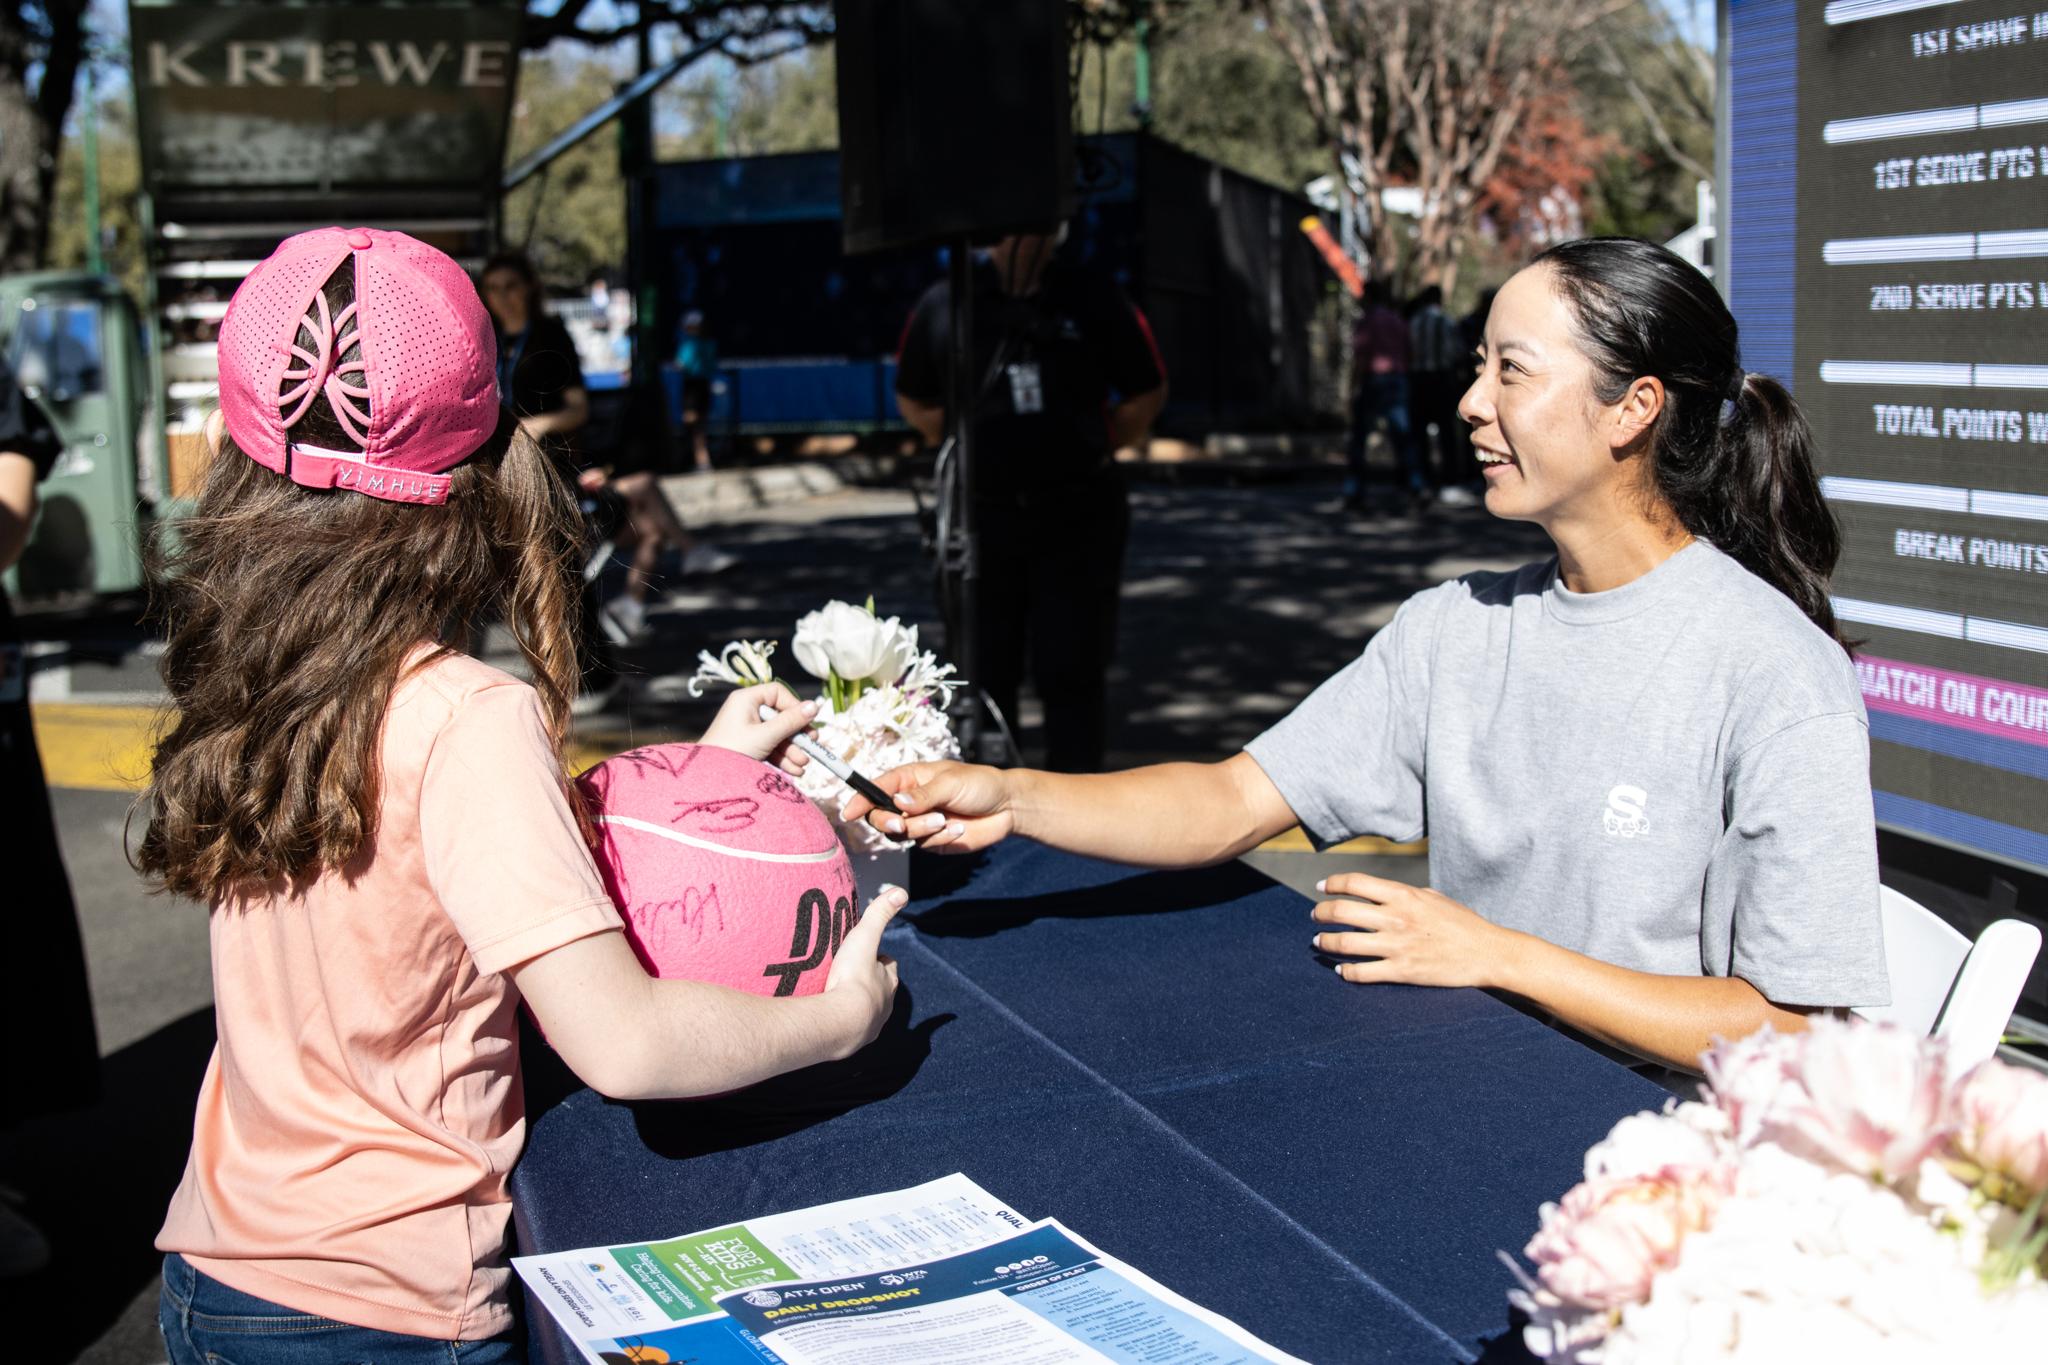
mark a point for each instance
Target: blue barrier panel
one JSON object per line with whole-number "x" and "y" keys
{"x": 825, "y": 394}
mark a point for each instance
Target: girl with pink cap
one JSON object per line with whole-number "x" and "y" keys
{"x": 380, "y": 827}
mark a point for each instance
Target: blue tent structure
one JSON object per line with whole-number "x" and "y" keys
{"x": 808, "y": 334}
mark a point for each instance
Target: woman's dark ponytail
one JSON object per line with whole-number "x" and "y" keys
{"x": 1732, "y": 454}
{"x": 1766, "y": 510}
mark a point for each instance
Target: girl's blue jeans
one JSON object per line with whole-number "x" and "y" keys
{"x": 206, "y": 1323}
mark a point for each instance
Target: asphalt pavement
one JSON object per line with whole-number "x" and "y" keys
{"x": 1237, "y": 602}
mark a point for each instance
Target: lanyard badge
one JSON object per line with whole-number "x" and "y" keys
{"x": 1027, "y": 388}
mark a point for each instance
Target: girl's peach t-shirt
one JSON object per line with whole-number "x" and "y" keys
{"x": 362, "y": 1109}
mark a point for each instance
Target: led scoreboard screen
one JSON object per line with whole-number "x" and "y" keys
{"x": 1885, "y": 243}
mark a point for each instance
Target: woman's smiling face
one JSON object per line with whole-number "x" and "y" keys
{"x": 1540, "y": 435}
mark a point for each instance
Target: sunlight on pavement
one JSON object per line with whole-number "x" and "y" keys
{"x": 107, "y": 748}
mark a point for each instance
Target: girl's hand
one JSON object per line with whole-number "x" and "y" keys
{"x": 863, "y": 977}
{"x": 739, "y": 727}
{"x": 592, "y": 480}
{"x": 1419, "y": 937}
{"x": 946, "y": 807}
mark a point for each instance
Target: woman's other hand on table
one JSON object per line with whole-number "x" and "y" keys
{"x": 1408, "y": 934}
{"x": 945, "y": 807}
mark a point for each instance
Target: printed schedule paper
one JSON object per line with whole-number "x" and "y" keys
{"x": 942, "y": 1272}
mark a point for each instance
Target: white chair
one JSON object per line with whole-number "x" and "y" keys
{"x": 1945, "y": 986}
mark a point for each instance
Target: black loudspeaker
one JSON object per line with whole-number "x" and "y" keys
{"x": 954, "y": 119}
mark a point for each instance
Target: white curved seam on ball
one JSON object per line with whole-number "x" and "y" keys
{"x": 630, "y": 823}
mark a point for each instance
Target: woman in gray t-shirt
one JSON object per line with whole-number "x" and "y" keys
{"x": 1642, "y": 766}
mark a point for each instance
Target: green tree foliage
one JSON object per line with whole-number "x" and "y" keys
{"x": 41, "y": 47}
{"x": 1650, "y": 90}
{"x": 790, "y": 104}
{"x": 572, "y": 217}
{"x": 120, "y": 180}
{"x": 1220, "y": 88}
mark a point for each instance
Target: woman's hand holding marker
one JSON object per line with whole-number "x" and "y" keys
{"x": 945, "y": 807}
{"x": 1416, "y": 936}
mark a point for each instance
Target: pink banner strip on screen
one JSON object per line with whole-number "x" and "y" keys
{"x": 1990, "y": 706}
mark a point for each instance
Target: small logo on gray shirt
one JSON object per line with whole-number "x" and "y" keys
{"x": 1624, "y": 816}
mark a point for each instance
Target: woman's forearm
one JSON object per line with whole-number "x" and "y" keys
{"x": 1132, "y": 418}
{"x": 17, "y": 505}
{"x": 559, "y": 423}
{"x": 1167, "y": 815}
{"x": 928, "y": 420}
{"x": 1668, "y": 1019}
{"x": 563, "y": 421}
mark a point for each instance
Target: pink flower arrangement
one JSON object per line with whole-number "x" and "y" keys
{"x": 2001, "y": 1115}
{"x": 1605, "y": 1244}
{"x": 1870, "y": 1100}
{"x": 1838, "y": 1191}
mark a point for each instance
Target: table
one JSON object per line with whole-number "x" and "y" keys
{"x": 1162, "y": 1061}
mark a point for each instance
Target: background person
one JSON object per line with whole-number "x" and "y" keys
{"x": 387, "y": 846}
{"x": 697, "y": 358}
{"x": 1379, "y": 394}
{"x": 539, "y": 376}
{"x": 1439, "y": 372}
{"x": 1071, "y": 376}
{"x": 1643, "y": 765}
{"x": 52, "y": 1049}
{"x": 542, "y": 383}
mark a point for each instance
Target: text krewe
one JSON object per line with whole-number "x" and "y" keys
{"x": 303, "y": 62}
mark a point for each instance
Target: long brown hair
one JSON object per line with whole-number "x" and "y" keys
{"x": 290, "y": 613}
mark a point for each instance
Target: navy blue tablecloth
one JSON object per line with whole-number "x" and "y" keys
{"x": 1162, "y": 1061}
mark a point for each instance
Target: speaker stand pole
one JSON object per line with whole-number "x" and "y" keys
{"x": 963, "y": 383}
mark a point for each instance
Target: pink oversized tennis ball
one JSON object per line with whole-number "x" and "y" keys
{"x": 723, "y": 870}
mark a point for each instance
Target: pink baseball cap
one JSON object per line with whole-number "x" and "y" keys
{"x": 420, "y": 398}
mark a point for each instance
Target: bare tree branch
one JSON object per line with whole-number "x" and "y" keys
{"x": 1424, "y": 92}
{"x": 1611, "y": 61}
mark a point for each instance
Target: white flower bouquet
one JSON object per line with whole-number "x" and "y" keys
{"x": 883, "y": 705}
{"x": 1839, "y": 1196}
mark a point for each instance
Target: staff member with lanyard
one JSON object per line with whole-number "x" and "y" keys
{"x": 1071, "y": 376}
{"x": 541, "y": 382}
{"x": 53, "y": 1054}
{"x": 1642, "y": 764}
{"x": 539, "y": 377}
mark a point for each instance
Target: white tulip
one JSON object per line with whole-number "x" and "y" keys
{"x": 853, "y": 644}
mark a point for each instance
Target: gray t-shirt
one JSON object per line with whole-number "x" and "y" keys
{"x": 1672, "y": 776}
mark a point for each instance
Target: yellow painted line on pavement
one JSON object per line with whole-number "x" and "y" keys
{"x": 107, "y": 748}
{"x": 584, "y": 752}
{"x": 1296, "y": 840}
{"x": 579, "y": 756}
{"x": 95, "y": 748}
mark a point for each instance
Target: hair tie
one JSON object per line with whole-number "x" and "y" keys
{"x": 1731, "y": 401}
